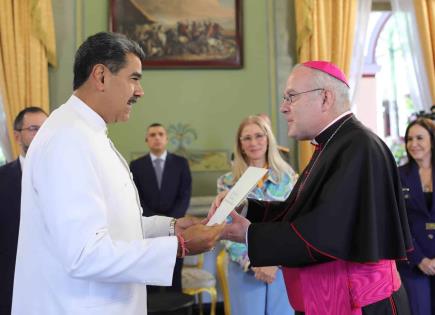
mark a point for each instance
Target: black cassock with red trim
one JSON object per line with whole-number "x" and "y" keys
{"x": 347, "y": 204}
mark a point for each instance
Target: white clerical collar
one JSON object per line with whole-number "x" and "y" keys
{"x": 162, "y": 157}
{"x": 22, "y": 160}
{"x": 313, "y": 141}
{"x": 88, "y": 113}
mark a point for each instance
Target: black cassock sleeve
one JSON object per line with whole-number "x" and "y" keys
{"x": 263, "y": 211}
{"x": 267, "y": 240}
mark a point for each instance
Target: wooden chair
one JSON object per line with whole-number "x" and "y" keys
{"x": 195, "y": 280}
{"x": 222, "y": 274}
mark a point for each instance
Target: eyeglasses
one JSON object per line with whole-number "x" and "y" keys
{"x": 32, "y": 128}
{"x": 289, "y": 98}
{"x": 258, "y": 137}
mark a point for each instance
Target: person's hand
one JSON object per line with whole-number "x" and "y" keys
{"x": 200, "y": 238}
{"x": 183, "y": 223}
{"x": 427, "y": 266}
{"x": 265, "y": 274}
{"x": 236, "y": 230}
{"x": 216, "y": 203}
{"x": 432, "y": 263}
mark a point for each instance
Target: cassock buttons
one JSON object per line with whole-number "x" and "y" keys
{"x": 430, "y": 236}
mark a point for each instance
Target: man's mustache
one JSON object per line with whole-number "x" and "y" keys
{"x": 132, "y": 100}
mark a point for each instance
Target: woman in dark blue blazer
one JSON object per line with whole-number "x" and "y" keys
{"x": 417, "y": 176}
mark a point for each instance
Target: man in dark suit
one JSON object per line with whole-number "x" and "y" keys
{"x": 163, "y": 182}
{"x": 26, "y": 125}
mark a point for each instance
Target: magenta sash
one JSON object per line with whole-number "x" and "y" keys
{"x": 339, "y": 287}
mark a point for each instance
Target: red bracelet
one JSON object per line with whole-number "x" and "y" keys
{"x": 183, "y": 247}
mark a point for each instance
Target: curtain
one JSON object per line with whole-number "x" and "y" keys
{"x": 425, "y": 15}
{"x": 27, "y": 46}
{"x": 325, "y": 31}
{"x": 357, "y": 63}
{"x": 4, "y": 139}
{"x": 405, "y": 17}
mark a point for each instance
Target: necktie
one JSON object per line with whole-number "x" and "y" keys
{"x": 159, "y": 171}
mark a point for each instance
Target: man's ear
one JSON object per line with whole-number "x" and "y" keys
{"x": 97, "y": 76}
{"x": 328, "y": 100}
{"x": 17, "y": 137}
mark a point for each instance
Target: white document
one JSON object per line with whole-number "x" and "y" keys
{"x": 240, "y": 191}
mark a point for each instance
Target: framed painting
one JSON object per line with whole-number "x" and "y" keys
{"x": 183, "y": 33}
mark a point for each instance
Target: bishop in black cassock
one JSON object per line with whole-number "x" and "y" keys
{"x": 340, "y": 231}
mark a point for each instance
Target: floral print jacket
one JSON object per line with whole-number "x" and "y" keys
{"x": 271, "y": 189}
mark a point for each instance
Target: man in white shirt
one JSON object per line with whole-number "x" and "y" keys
{"x": 84, "y": 247}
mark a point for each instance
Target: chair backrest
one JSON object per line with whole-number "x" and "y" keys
{"x": 195, "y": 280}
{"x": 196, "y": 261}
{"x": 222, "y": 273}
{"x": 194, "y": 277}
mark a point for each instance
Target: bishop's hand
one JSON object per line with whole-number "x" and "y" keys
{"x": 236, "y": 230}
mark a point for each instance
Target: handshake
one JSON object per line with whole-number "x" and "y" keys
{"x": 195, "y": 237}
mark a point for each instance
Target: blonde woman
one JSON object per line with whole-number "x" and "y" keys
{"x": 257, "y": 290}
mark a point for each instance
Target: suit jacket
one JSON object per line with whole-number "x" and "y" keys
{"x": 418, "y": 214}
{"x": 10, "y": 199}
{"x": 174, "y": 195}
{"x": 84, "y": 247}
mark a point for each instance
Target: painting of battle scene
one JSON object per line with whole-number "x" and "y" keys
{"x": 183, "y": 33}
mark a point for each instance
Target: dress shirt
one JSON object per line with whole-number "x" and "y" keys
{"x": 161, "y": 157}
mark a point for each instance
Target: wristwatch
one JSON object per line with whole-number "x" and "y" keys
{"x": 172, "y": 227}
